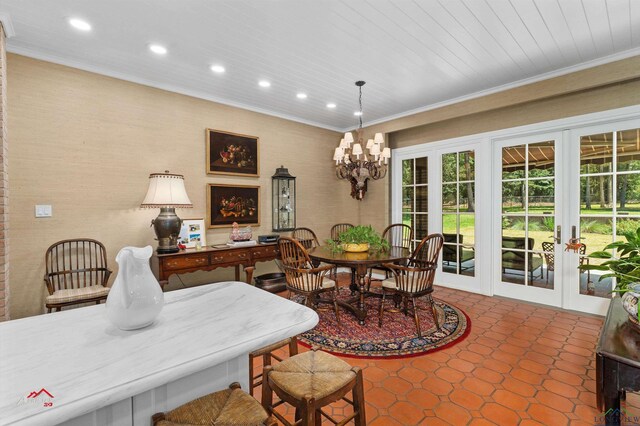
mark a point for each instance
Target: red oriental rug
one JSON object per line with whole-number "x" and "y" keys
{"x": 397, "y": 338}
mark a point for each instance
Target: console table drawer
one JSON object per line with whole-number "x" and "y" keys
{"x": 186, "y": 262}
{"x": 265, "y": 252}
{"x": 225, "y": 256}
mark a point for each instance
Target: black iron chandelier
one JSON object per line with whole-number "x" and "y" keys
{"x": 357, "y": 164}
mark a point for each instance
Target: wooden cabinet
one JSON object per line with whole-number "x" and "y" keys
{"x": 208, "y": 259}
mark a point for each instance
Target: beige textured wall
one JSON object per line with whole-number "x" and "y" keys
{"x": 86, "y": 143}
{"x": 4, "y": 180}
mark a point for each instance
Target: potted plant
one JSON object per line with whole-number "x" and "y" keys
{"x": 624, "y": 266}
{"x": 359, "y": 239}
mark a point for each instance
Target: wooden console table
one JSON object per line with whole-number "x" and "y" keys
{"x": 209, "y": 258}
{"x": 617, "y": 362}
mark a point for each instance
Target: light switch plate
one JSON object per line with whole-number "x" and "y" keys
{"x": 44, "y": 210}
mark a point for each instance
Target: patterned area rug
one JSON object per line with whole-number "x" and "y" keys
{"x": 397, "y": 338}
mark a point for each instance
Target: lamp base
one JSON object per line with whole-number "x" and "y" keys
{"x": 167, "y": 226}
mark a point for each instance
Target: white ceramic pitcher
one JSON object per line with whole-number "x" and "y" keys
{"x": 136, "y": 298}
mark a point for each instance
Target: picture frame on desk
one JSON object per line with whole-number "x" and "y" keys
{"x": 227, "y": 204}
{"x": 192, "y": 231}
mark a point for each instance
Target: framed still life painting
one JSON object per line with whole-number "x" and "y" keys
{"x": 192, "y": 232}
{"x": 233, "y": 203}
{"x": 232, "y": 154}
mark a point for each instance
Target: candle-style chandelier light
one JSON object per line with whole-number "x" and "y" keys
{"x": 354, "y": 164}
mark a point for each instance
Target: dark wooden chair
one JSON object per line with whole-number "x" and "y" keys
{"x": 310, "y": 381}
{"x": 306, "y": 237}
{"x": 549, "y": 258}
{"x": 305, "y": 279}
{"x": 338, "y": 229}
{"x": 397, "y": 235}
{"x": 416, "y": 280}
{"x": 229, "y": 406}
{"x": 268, "y": 356}
{"x": 76, "y": 272}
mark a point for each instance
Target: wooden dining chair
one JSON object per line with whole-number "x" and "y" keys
{"x": 76, "y": 272}
{"x": 338, "y": 229}
{"x": 416, "y": 280}
{"x": 305, "y": 279}
{"x": 397, "y": 235}
{"x": 306, "y": 237}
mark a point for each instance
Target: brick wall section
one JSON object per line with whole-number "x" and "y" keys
{"x": 4, "y": 186}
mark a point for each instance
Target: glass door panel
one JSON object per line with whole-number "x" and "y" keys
{"x": 609, "y": 199}
{"x": 415, "y": 197}
{"x": 528, "y": 220}
{"x": 458, "y": 213}
{"x": 527, "y": 252}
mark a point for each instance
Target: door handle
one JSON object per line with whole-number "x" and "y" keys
{"x": 558, "y": 238}
{"x": 574, "y": 234}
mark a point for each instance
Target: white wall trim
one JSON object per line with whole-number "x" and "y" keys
{"x": 540, "y": 77}
{"x": 5, "y": 18}
{"x": 157, "y": 85}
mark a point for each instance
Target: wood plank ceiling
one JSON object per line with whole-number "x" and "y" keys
{"x": 412, "y": 53}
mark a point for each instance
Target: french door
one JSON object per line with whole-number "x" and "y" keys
{"x": 509, "y": 204}
{"x": 529, "y": 200}
{"x": 604, "y": 204}
{"x": 580, "y": 185}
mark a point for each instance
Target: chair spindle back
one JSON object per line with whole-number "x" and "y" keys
{"x": 306, "y": 237}
{"x": 338, "y": 229}
{"x": 428, "y": 251}
{"x": 72, "y": 264}
{"x": 398, "y": 235}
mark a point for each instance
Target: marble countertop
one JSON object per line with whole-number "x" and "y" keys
{"x": 86, "y": 363}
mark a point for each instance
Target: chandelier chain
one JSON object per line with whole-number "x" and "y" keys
{"x": 360, "y": 102}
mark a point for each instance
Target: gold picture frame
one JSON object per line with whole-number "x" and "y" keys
{"x": 232, "y": 154}
{"x": 230, "y": 203}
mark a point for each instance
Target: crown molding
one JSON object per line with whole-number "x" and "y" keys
{"x": 24, "y": 51}
{"x": 546, "y": 76}
{"x": 5, "y": 18}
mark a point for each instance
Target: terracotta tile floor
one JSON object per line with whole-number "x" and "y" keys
{"x": 522, "y": 364}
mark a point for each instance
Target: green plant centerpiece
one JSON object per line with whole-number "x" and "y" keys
{"x": 358, "y": 239}
{"x": 623, "y": 265}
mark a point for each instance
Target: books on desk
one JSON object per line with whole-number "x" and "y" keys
{"x": 242, "y": 243}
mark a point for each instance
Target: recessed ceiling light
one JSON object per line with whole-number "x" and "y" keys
{"x": 331, "y": 105}
{"x": 301, "y": 96}
{"x": 217, "y": 69}
{"x": 357, "y": 113}
{"x": 158, "y": 49}
{"x": 79, "y": 24}
{"x": 264, "y": 83}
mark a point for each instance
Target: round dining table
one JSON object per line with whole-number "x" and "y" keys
{"x": 360, "y": 263}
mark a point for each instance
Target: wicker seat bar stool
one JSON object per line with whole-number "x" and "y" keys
{"x": 267, "y": 355}
{"x": 310, "y": 381}
{"x": 227, "y": 407}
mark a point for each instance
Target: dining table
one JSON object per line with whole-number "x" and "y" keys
{"x": 360, "y": 264}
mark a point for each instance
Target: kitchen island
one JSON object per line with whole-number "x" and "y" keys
{"x": 74, "y": 367}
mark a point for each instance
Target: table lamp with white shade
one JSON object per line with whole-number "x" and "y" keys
{"x": 166, "y": 191}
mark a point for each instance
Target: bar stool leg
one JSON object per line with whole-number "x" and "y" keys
{"x": 251, "y": 374}
{"x": 307, "y": 411}
{"x": 293, "y": 346}
{"x": 358, "y": 399}
{"x": 267, "y": 394}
